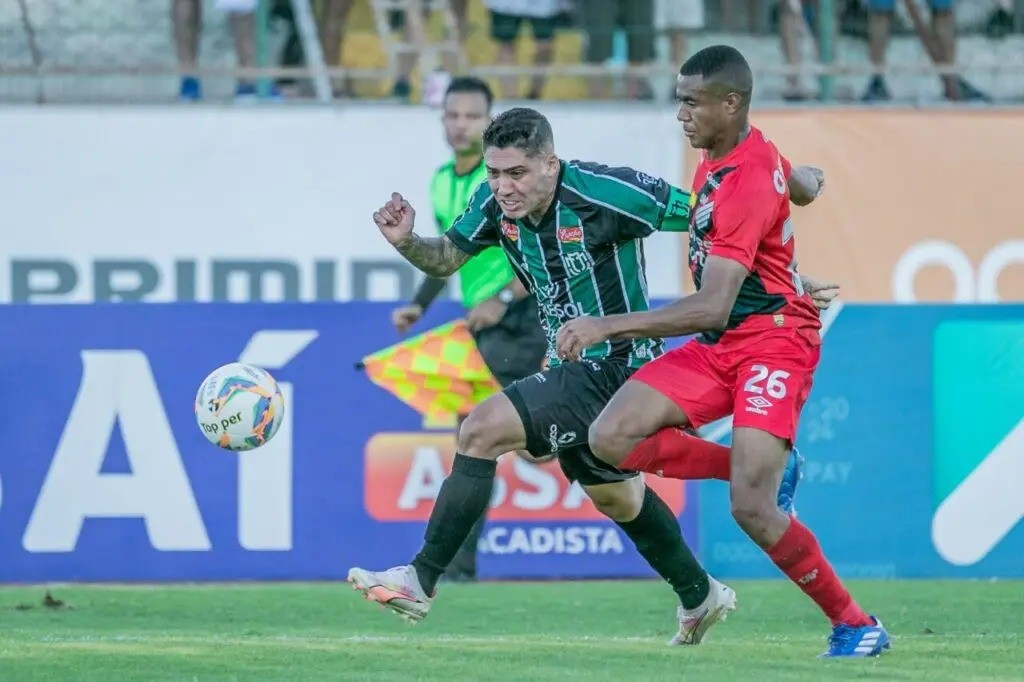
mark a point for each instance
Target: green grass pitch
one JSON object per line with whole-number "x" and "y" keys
{"x": 591, "y": 631}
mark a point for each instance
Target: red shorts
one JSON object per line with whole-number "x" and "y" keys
{"x": 763, "y": 383}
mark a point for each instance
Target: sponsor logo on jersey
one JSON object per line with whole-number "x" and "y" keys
{"x": 510, "y": 230}
{"x": 570, "y": 234}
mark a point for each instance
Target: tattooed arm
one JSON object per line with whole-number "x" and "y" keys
{"x": 435, "y": 256}
{"x": 441, "y": 256}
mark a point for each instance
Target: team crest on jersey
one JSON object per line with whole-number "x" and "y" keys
{"x": 577, "y": 263}
{"x": 702, "y": 216}
{"x": 570, "y": 234}
{"x": 510, "y": 230}
{"x": 779, "y": 180}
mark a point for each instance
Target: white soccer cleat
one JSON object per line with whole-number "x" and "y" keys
{"x": 695, "y": 623}
{"x": 397, "y": 589}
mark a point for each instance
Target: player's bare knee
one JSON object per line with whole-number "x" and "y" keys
{"x": 607, "y": 440}
{"x": 753, "y": 511}
{"x": 488, "y": 432}
{"x": 478, "y": 436}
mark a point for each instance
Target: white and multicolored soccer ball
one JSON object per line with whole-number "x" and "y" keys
{"x": 239, "y": 407}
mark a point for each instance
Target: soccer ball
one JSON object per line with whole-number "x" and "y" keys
{"x": 239, "y": 407}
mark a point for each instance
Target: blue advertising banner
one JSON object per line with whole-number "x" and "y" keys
{"x": 914, "y": 440}
{"x": 913, "y": 437}
{"x": 106, "y": 476}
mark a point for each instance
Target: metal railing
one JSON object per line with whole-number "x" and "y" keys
{"x": 43, "y": 42}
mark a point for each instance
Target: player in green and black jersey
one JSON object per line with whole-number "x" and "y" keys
{"x": 500, "y": 313}
{"x": 572, "y": 231}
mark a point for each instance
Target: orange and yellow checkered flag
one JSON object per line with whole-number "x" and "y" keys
{"x": 439, "y": 373}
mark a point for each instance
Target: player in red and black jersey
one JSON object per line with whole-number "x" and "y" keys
{"x": 756, "y": 354}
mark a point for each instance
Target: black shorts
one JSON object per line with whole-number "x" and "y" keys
{"x": 558, "y": 406}
{"x": 515, "y": 347}
{"x": 505, "y": 27}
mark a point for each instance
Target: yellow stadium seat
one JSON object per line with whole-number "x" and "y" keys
{"x": 363, "y": 49}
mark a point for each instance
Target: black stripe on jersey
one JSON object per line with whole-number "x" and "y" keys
{"x": 607, "y": 287}
{"x": 515, "y": 258}
{"x": 608, "y": 282}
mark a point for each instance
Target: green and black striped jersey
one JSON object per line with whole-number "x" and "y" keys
{"x": 586, "y": 256}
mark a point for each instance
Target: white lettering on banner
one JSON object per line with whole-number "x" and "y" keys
{"x": 205, "y": 230}
{"x": 575, "y": 496}
{"x": 55, "y": 280}
{"x": 265, "y": 474}
{"x": 562, "y": 540}
{"x": 427, "y": 473}
{"x": 423, "y": 482}
{"x": 117, "y": 388}
{"x": 545, "y": 487}
{"x": 118, "y": 391}
{"x": 970, "y": 286}
{"x": 823, "y": 415}
{"x": 828, "y": 473}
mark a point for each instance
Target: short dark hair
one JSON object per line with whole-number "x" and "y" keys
{"x": 724, "y": 65}
{"x": 522, "y": 128}
{"x": 471, "y": 84}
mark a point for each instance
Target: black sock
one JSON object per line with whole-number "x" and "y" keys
{"x": 463, "y": 565}
{"x": 462, "y": 500}
{"x": 656, "y": 534}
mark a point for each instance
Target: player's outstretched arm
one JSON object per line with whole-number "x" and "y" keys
{"x": 706, "y": 310}
{"x": 806, "y": 183}
{"x": 436, "y": 256}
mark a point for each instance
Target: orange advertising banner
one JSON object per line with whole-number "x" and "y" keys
{"x": 919, "y": 205}
{"x": 403, "y": 472}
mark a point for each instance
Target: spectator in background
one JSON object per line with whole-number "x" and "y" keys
{"x": 187, "y": 19}
{"x": 332, "y": 31}
{"x": 411, "y": 21}
{"x": 944, "y": 32}
{"x": 1002, "y": 21}
{"x": 676, "y": 17}
{"x": 506, "y": 18}
{"x": 331, "y": 19}
{"x": 600, "y": 20}
{"x": 794, "y": 16}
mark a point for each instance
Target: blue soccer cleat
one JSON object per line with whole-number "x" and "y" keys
{"x": 847, "y": 641}
{"x": 790, "y": 479}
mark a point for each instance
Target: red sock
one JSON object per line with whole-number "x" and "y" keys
{"x": 799, "y": 556}
{"x": 673, "y": 453}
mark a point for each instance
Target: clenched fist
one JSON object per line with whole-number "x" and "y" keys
{"x": 395, "y": 219}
